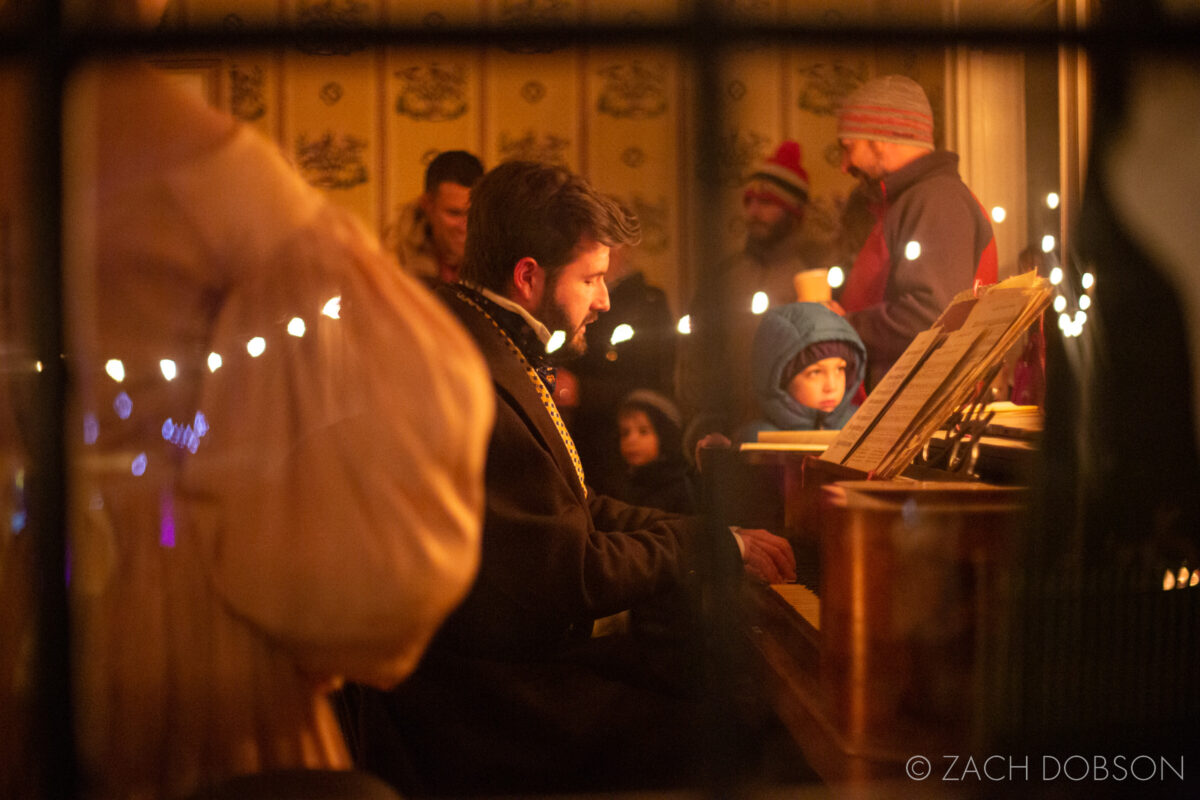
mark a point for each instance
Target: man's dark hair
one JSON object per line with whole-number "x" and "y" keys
{"x": 453, "y": 166}
{"x": 527, "y": 209}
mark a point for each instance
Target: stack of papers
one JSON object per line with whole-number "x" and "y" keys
{"x": 940, "y": 371}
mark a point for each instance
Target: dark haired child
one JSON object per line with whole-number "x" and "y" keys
{"x": 656, "y": 474}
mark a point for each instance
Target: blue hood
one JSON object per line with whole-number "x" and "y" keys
{"x": 783, "y": 332}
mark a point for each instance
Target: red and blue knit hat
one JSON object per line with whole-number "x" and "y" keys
{"x": 781, "y": 179}
{"x": 891, "y": 108}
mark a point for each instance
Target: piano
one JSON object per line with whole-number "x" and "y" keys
{"x": 874, "y": 655}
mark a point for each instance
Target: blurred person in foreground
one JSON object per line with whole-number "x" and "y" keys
{"x": 276, "y": 450}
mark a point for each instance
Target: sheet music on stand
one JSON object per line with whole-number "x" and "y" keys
{"x": 939, "y": 372}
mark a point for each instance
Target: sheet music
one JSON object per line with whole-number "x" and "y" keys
{"x": 914, "y": 398}
{"x": 938, "y": 372}
{"x": 956, "y": 389}
{"x": 999, "y": 307}
{"x": 881, "y": 397}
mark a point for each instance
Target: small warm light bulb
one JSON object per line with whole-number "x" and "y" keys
{"x": 1182, "y": 578}
{"x": 557, "y": 340}
{"x": 621, "y": 333}
{"x": 1048, "y": 243}
{"x": 214, "y": 362}
{"x": 1064, "y": 322}
{"x": 115, "y": 369}
{"x": 37, "y": 366}
{"x": 256, "y": 346}
{"x": 1195, "y": 578}
{"x": 1056, "y": 276}
{"x": 912, "y": 251}
{"x": 836, "y": 277}
{"x": 760, "y": 302}
{"x": 1168, "y": 581}
{"x": 685, "y": 324}
{"x": 1052, "y": 200}
{"x": 169, "y": 370}
{"x": 1060, "y": 303}
{"x": 1080, "y": 318}
{"x": 332, "y": 308}
{"x": 1085, "y": 301}
{"x": 1087, "y": 280}
{"x": 296, "y": 327}
{"x": 999, "y": 214}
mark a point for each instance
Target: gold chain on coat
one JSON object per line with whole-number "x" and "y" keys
{"x": 542, "y": 391}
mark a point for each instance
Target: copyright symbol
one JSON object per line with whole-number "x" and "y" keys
{"x": 918, "y": 768}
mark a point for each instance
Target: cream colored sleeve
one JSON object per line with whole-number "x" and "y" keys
{"x": 338, "y": 487}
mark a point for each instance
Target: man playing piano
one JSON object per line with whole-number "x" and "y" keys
{"x": 515, "y": 694}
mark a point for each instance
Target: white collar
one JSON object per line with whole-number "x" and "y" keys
{"x": 543, "y": 333}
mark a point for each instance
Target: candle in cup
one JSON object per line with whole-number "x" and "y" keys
{"x": 812, "y": 286}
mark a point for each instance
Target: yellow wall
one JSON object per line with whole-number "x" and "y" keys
{"x": 362, "y": 125}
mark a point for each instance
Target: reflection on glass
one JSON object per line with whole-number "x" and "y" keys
{"x": 123, "y": 405}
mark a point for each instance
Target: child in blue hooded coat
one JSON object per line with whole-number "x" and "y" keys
{"x": 807, "y": 364}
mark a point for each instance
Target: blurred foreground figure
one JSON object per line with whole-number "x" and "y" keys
{"x": 277, "y": 449}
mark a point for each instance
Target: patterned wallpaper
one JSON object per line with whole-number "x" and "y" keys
{"x": 361, "y": 124}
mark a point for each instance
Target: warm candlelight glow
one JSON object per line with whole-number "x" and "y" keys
{"x": 621, "y": 333}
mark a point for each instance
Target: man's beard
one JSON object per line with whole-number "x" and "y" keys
{"x": 551, "y": 314}
{"x": 761, "y": 242}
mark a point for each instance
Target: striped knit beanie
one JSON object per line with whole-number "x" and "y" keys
{"x": 781, "y": 179}
{"x": 891, "y": 108}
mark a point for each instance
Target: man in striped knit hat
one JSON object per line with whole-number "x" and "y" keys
{"x": 931, "y": 239}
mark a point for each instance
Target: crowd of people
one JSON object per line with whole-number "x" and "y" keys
{"x": 411, "y": 479}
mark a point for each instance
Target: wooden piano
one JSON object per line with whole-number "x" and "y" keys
{"x": 877, "y": 659}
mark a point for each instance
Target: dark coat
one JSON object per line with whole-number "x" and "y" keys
{"x": 893, "y": 293}
{"x": 513, "y": 694}
{"x": 665, "y": 483}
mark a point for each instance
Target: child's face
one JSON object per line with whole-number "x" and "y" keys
{"x": 820, "y": 385}
{"x": 639, "y": 442}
